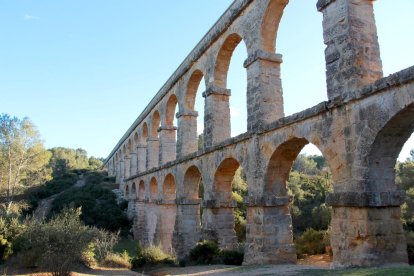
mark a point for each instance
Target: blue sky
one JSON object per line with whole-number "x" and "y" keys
{"x": 84, "y": 70}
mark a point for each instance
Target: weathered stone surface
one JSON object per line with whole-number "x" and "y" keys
{"x": 360, "y": 131}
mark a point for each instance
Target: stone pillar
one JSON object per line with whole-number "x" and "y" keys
{"x": 187, "y": 133}
{"x": 121, "y": 171}
{"x": 139, "y": 226}
{"x": 142, "y": 158}
{"x": 151, "y": 222}
{"x": 127, "y": 167}
{"x": 366, "y": 228}
{"x": 217, "y": 116}
{"x": 118, "y": 173}
{"x": 167, "y": 144}
{"x": 218, "y": 223}
{"x": 134, "y": 163}
{"x": 269, "y": 237}
{"x": 187, "y": 227}
{"x": 168, "y": 213}
{"x": 352, "y": 52}
{"x": 153, "y": 152}
{"x": 264, "y": 89}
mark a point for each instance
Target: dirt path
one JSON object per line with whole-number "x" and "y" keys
{"x": 46, "y": 204}
{"x": 285, "y": 270}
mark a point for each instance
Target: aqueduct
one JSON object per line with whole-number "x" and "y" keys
{"x": 360, "y": 131}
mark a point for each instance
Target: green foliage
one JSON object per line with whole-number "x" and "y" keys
{"x": 239, "y": 191}
{"x": 23, "y": 158}
{"x": 309, "y": 193}
{"x": 128, "y": 245}
{"x": 208, "y": 252}
{"x": 95, "y": 197}
{"x": 312, "y": 242}
{"x": 231, "y": 257}
{"x": 150, "y": 256}
{"x": 113, "y": 260}
{"x": 405, "y": 180}
{"x": 410, "y": 246}
{"x": 5, "y": 249}
{"x": 204, "y": 252}
{"x": 58, "y": 244}
{"x": 64, "y": 160}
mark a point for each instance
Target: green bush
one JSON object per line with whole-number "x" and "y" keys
{"x": 5, "y": 249}
{"x": 410, "y": 246}
{"x": 94, "y": 197}
{"x": 205, "y": 252}
{"x": 231, "y": 257}
{"x": 114, "y": 260}
{"x": 58, "y": 244}
{"x": 312, "y": 242}
{"x": 151, "y": 256}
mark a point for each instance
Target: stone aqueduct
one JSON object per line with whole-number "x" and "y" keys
{"x": 360, "y": 131}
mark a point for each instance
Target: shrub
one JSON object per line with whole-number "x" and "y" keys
{"x": 311, "y": 242}
{"x": 410, "y": 246}
{"x": 5, "y": 248}
{"x": 204, "y": 252}
{"x": 150, "y": 256}
{"x": 117, "y": 261}
{"x": 231, "y": 257}
{"x": 58, "y": 244}
{"x": 93, "y": 198}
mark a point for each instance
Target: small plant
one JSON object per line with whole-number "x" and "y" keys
{"x": 231, "y": 257}
{"x": 311, "y": 242}
{"x": 152, "y": 255}
{"x": 114, "y": 260}
{"x": 205, "y": 252}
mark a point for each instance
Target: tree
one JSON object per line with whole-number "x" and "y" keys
{"x": 64, "y": 159}
{"x": 23, "y": 158}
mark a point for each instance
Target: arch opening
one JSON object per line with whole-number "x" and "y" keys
{"x": 306, "y": 179}
{"x": 231, "y": 74}
{"x": 141, "y": 191}
{"x": 230, "y": 185}
{"x": 169, "y": 188}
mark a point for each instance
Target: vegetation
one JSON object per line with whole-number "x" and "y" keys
{"x": 150, "y": 256}
{"x": 208, "y": 252}
{"x": 94, "y": 197}
{"x": 23, "y": 159}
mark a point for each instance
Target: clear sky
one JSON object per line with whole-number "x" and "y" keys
{"x": 84, "y": 70}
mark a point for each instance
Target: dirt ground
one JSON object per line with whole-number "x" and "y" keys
{"x": 310, "y": 262}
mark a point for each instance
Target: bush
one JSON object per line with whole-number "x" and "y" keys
{"x": 10, "y": 229}
{"x": 231, "y": 257}
{"x": 94, "y": 197}
{"x": 117, "y": 261}
{"x": 205, "y": 252}
{"x": 5, "y": 248}
{"x": 410, "y": 246}
{"x": 312, "y": 242}
{"x": 58, "y": 244}
{"x": 150, "y": 256}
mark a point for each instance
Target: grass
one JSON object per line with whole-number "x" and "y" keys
{"x": 127, "y": 245}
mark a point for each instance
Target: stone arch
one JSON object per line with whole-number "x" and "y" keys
{"x": 270, "y": 24}
{"x": 224, "y": 58}
{"x": 129, "y": 146}
{"x": 169, "y": 188}
{"x": 153, "y": 190}
{"x": 168, "y": 212}
{"x": 155, "y": 124}
{"x": 141, "y": 191}
{"x": 192, "y": 178}
{"x": 385, "y": 149}
{"x": 136, "y": 139}
{"x": 223, "y": 178}
{"x": 134, "y": 191}
{"x": 126, "y": 192}
{"x": 170, "y": 108}
{"x": 280, "y": 164}
{"x": 192, "y": 87}
{"x": 144, "y": 134}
